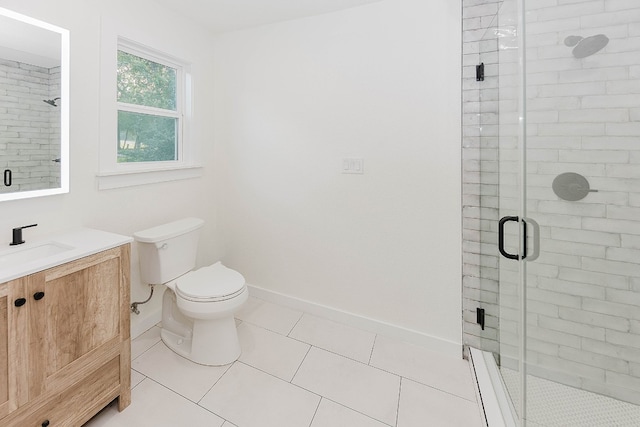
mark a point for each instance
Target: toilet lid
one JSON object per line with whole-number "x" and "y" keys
{"x": 210, "y": 283}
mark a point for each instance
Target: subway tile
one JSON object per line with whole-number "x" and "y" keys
{"x": 623, "y": 297}
{"x": 607, "y": 307}
{"x": 624, "y": 171}
{"x": 623, "y": 129}
{"x": 623, "y": 338}
{"x": 623, "y": 351}
{"x": 595, "y": 115}
{"x": 611, "y": 18}
{"x": 630, "y": 241}
{"x": 571, "y": 288}
{"x": 576, "y": 369}
{"x": 573, "y": 328}
{"x": 607, "y": 321}
{"x": 594, "y": 359}
{"x": 602, "y": 279}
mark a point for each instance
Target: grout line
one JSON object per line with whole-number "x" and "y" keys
{"x": 174, "y": 392}
{"x": 296, "y": 324}
{"x": 316, "y": 411}
{"x": 355, "y": 410}
{"x": 398, "y": 407}
{"x": 300, "y": 365}
{"x": 375, "y": 338}
{"x": 216, "y": 382}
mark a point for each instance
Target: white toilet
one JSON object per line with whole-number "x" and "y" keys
{"x": 197, "y": 306}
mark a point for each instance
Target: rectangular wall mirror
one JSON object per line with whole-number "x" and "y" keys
{"x": 34, "y": 107}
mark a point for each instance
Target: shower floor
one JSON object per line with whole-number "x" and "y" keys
{"x": 555, "y": 404}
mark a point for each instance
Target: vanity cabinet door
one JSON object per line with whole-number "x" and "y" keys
{"x": 74, "y": 320}
{"x": 13, "y": 346}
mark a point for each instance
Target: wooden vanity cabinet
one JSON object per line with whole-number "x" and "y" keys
{"x": 65, "y": 352}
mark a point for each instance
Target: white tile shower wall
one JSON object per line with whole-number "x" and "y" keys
{"x": 583, "y": 292}
{"x": 54, "y": 127}
{"x": 28, "y": 125}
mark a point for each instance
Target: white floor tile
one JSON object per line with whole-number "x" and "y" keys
{"x": 350, "y": 383}
{"x": 331, "y": 414}
{"x": 335, "y": 337}
{"x": 155, "y": 405}
{"x": 422, "y": 406}
{"x": 145, "y": 341}
{"x": 248, "y": 397}
{"x": 270, "y": 352}
{"x": 424, "y": 366}
{"x": 270, "y": 316}
{"x": 177, "y": 373}
{"x": 136, "y": 378}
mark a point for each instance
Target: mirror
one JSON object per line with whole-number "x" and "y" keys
{"x": 34, "y": 107}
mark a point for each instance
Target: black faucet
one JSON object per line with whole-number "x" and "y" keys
{"x": 17, "y": 235}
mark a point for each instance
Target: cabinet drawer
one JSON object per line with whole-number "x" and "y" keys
{"x": 76, "y": 404}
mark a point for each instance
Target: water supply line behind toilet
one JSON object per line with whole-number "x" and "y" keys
{"x": 134, "y": 305}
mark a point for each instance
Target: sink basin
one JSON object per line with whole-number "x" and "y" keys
{"x": 22, "y": 255}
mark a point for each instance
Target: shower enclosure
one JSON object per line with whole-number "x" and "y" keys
{"x": 551, "y": 156}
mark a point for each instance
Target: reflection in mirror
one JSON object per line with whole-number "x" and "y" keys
{"x": 34, "y": 131}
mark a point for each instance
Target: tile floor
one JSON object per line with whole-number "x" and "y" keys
{"x": 297, "y": 370}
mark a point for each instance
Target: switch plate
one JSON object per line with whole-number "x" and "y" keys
{"x": 353, "y": 165}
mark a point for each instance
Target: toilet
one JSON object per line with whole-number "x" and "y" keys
{"x": 198, "y": 305}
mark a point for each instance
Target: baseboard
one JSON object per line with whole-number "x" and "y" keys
{"x": 450, "y": 348}
{"x": 145, "y": 321}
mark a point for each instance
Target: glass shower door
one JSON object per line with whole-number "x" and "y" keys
{"x": 565, "y": 137}
{"x": 581, "y": 184}
{"x": 501, "y": 193}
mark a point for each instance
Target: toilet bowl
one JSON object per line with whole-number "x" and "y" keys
{"x": 198, "y": 305}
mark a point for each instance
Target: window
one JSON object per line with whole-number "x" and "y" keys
{"x": 149, "y": 113}
{"x": 145, "y": 136}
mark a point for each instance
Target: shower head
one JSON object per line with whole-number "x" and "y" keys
{"x": 51, "y": 101}
{"x": 586, "y": 46}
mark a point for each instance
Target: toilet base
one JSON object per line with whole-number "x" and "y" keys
{"x": 212, "y": 342}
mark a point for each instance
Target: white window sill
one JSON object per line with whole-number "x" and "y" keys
{"x": 110, "y": 180}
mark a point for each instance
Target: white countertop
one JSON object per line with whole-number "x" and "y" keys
{"x": 80, "y": 243}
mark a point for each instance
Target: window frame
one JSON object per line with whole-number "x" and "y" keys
{"x": 124, "y": 174}
{"x": 178, "y": 114}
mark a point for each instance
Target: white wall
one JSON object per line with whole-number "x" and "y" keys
{"x": 129, "y": 209}
{"x": 380, "y": 82}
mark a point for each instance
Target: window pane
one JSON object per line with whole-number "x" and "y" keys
{"x": 146, "y": 138}
{"x": 144, "y": 82}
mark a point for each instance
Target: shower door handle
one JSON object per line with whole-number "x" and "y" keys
{"x": 536, "y": 238}
{"x": 501, "y": 224}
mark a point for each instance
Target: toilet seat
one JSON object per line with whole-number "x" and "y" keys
{"x": 208, "y": 284}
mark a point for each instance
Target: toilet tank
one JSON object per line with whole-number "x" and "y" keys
{"x": 168, "y": 251}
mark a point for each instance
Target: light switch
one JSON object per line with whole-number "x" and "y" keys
{"x": 353, "y": 165}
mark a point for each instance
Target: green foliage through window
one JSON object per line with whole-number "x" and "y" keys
{"x": 144, "y": 82}
{"x": 146, "y": 138}
{"x": 148, "y": 115}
